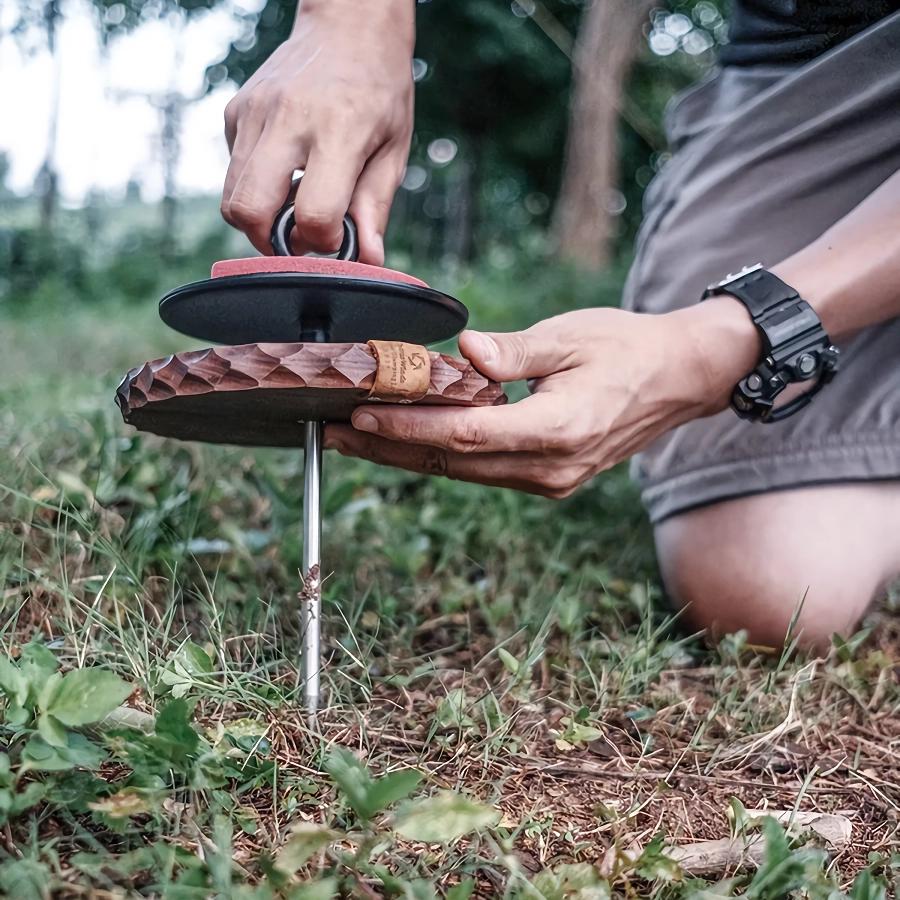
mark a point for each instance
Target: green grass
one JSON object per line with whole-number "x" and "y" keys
{"x": 516, "y": 653}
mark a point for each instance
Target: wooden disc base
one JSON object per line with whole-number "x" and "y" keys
{"x": 260, "y": 394}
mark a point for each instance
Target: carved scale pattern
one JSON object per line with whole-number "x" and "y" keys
{"x": 268, "y": 388}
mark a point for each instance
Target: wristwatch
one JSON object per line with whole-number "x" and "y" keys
{"x": 796, "y": 347}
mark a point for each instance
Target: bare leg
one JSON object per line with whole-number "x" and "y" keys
{"x": 747, "y": 563}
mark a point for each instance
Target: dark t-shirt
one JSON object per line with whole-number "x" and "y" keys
{"x": 795, "y": 31}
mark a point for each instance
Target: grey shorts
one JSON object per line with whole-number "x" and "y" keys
{"x": 765, "y": 159}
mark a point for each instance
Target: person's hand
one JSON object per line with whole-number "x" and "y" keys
{"x": 604, "y": 384}
{"x": 335, "y": 99}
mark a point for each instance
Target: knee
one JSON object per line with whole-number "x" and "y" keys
{"x": 730, "y": 573}
{"x": 773, "y": 604}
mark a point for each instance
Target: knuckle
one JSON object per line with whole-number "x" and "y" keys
{"x": 249, "y": 101}
{"x": 381, "y": 206}
{"x": 559, "y": 481}
{"x": 233, "y": 111}
{"x": 573, "y": 435}
{"x": 467, "y": 437}
{"x": 554, "y": 480}
{"x": 347, "y": 111}
{"x": 321, "y": 225}
{"x": 554, "y": 441}
{"x": 559, "y": 439}
{"x": 434, "y": 461}
{"x": 518, "y": 348}
{"x": 550, "y": 493}
{"x": 564, "y": 437}
{"x": 244, "y": 212}
{"x": 398, "y": 428}
{"x": 317, "y": 218}
{"x": 285, "y": 104}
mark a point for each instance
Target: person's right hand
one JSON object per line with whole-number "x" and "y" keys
{"x": 335, "y": 99}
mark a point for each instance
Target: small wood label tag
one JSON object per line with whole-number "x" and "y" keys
{"x": 403, "y": 374}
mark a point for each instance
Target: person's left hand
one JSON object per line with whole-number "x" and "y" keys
{"x": 605, "y": 383}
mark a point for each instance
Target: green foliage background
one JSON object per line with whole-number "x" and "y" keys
{"x": 495, "y": 82}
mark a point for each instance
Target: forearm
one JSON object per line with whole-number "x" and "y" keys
{"x": 851, "y": 274}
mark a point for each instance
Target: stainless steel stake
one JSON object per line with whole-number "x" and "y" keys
{"x": 311, "y": 610}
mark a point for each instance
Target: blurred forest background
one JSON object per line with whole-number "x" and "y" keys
{"x": 538, "y": 127}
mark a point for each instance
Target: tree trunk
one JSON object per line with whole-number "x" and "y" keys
{"x": 608, "y": 41}
{"x": 47, "y": 181}
{"x": 171, "y": 110}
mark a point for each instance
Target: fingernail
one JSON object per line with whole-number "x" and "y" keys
{"x": 485, "y": 347}
{"x": 365, "y": 422}
{"x": 333, "y": 444}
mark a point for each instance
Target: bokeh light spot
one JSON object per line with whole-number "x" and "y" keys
{"x": 442, "y": 151}
{"x": 414, "y": 179}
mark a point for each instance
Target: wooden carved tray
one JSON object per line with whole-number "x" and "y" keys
{"x": 259, "y": 394}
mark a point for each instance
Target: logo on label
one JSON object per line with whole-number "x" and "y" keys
{"x": 402, "y": 373}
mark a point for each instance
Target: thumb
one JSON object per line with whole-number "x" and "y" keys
{"x": 513, "y": 355}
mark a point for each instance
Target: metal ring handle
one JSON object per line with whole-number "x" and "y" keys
{"x": 284, "y": 225}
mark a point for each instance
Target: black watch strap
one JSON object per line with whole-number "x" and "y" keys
{"x": 796, "y": 347}
{"x": 758, "y": 289}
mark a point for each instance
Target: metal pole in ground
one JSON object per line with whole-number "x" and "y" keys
{"x": 311, "y": 595}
